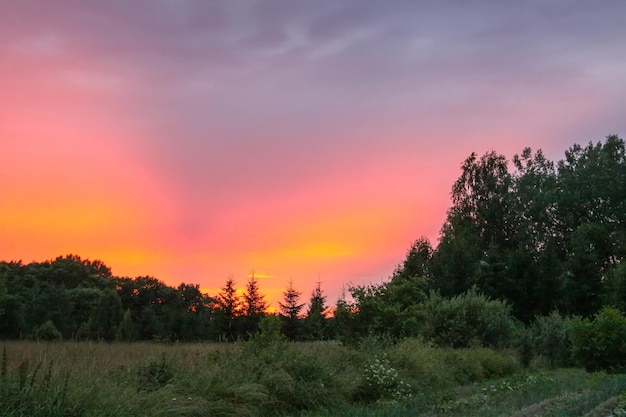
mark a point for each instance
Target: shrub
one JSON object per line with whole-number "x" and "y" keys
{"x": 425, "y": 364}
{"x": 600, "y": 344}
{"x": 126, "y": 331}
{"x": 155, "y": 374}
{"x": 478, "y": 364}
{"x": 469, "y": 319}
{"x": 523, "y": 342}
{"x": 47, "y": 331}
{"x": 432, "y": 370}
{"x": 551, "y": 339}
{"x": 292, "y": 378}
{"x": 381, "y": 382}
{"x": 495, "y": 364}
{"x": 269, "y": 333}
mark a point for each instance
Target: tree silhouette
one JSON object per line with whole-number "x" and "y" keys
{"x": 228, "y": 308}
{"x": 290, "y": 312}
{"x": 254, "y": 306}
{"x": 316, "y": 314}
{"x": 107, "y": 316}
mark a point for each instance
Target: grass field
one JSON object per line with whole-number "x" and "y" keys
{"x": 269, "y": 378}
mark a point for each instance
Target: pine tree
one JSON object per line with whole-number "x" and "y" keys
{"x": 342, "y": 318}
{"x": 228, "y": 309}
{"x": 290, "y": 312}
{"x": 254, "y": 306}
{"x": 316, "y": 315}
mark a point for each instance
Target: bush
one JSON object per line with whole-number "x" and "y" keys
{"x": 551, "y": 339}
{"x": 155, "y": 374}
{"x": 479, "y": 364}
{"x": 469, "y": 319}
{"x": 430, "y": 370}
{"x": 425, "y": 364}
{"x": 291, "y": 378}
{"x": 269, "y": 333}
{"x": 600, "y": 344}
{"x": 381, "y": 382}
{"x": 47, "y": 331}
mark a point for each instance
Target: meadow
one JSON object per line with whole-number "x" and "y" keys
{"x": 272, "y": 377}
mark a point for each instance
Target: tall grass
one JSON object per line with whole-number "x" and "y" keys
{"x": 246, "y": 379}
{"x": 32, "y": 388}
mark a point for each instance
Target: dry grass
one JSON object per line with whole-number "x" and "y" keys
{"x": 248, "y": 379}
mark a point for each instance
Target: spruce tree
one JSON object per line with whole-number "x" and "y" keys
{"x": 227, "y": 311}
{"x": 316, "y": 315}
{"x": 290, "y": 312}
{"x": 254, "y": 306}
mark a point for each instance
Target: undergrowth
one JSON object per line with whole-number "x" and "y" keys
{"x": 258, "y": 378}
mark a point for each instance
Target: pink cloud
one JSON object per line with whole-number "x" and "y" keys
{"x": 192, "y": 141}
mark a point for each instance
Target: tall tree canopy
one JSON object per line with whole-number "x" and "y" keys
{"x": 541, "y": 237}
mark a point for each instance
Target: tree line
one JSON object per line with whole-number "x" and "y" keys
{"x": 542, "y": 236}
{"x": 73, "y": 298}
{"x": 522, "y": 239}
{"x": 536, "y": 236}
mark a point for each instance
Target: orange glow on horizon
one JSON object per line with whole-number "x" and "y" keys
{"x": 138, "y": 140}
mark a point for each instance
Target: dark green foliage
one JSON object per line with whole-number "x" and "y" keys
{"x": 38, "y": 390}
{"x": 479, "y": 364}
{"x": 523, "y": 343}
{"x": 12, "y": 320}
{"x": 49, "y": 302}
{"x": 84, "y": 301}
{"x": 456, "y": 259}
{"x": 3, "y": 288}
{"x": 253, "y": 307}
{"x": 469, "y": 319}
{"x": 539, "y": 237}
{"x": 81, "y": 298}
{"x": 380, "y": 381}
{"x": 193, "y": 317}
{"x": 106, "y": 316}
{"x": 269, "y": 331}
{"x": 416, "y": 262}
{"x": 600, "y": 344}
{"x": 615, "y": 287}
{"x": 550, "y": 336}
{"x": 315, "y": 320}
{"x": 154, "y": 375}
{"x": 71, "y": 272}
{"x": 393, "y": 309}
{"x": 291, "y": 379}
{"x": 154, "y": 307}
{"x": 585, "y": 269}
{"x": 480, "y": 198}
{"x": 227, "y": 312}
{"x": 290, "y": 309}
{"x": 341, "y": 323}
{"x": 126, "y": 332}
{"x": 47, "y": 331}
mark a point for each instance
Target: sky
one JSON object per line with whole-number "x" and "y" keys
{"x": 293, "y": 140}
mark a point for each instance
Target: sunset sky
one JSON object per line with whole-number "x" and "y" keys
{"x": 304, "y": 140}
